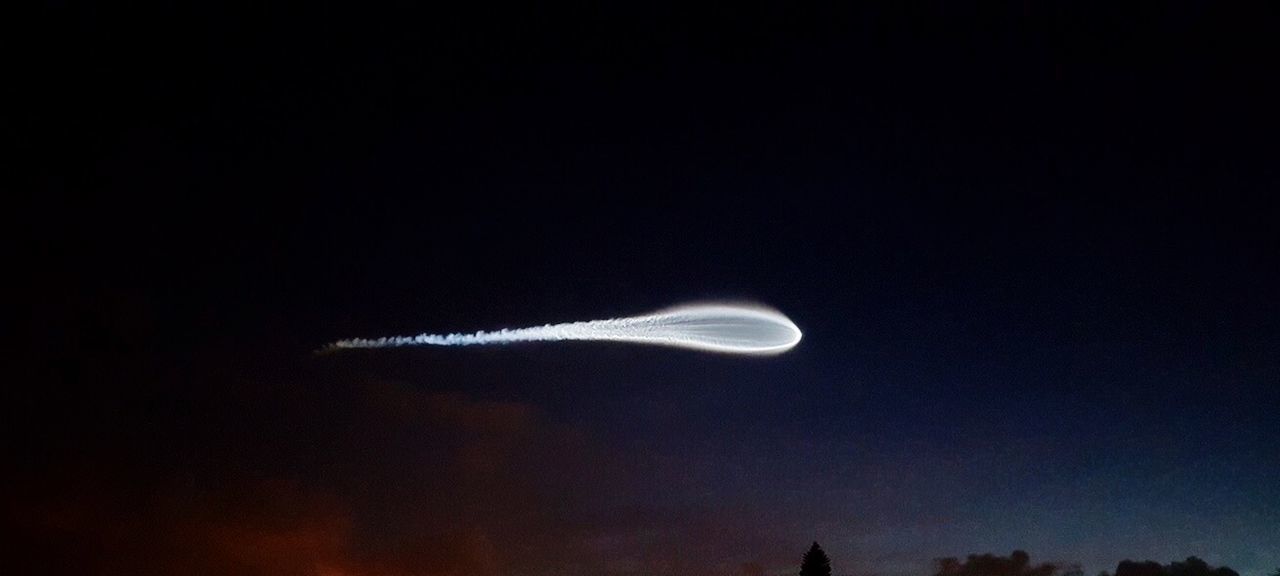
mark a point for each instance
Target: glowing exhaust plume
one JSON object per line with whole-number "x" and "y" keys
{"x": 725, "y": 328}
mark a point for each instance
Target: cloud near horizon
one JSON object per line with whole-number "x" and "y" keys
{"x": 414, "y": 483}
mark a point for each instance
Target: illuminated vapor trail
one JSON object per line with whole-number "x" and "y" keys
{"x": 732, "y": 329}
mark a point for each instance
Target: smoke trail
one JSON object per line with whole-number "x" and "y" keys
{"x": 732, "y": 329}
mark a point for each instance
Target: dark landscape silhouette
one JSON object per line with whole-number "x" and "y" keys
{"x": 815, "y": 562}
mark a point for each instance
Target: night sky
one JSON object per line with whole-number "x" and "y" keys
{"x": 1033, "y": 250}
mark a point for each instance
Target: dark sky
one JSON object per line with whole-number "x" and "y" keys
{"x": 1033, "y": 250}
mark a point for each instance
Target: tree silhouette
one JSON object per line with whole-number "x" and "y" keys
{"x": 815, "y": 562}
{"x": 1190, "y": 567}
{"x": 1016, "y": 564}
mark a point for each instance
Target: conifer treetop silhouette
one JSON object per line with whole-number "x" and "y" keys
{"x": 815, "y": 562}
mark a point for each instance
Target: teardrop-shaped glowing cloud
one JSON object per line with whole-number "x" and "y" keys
{"x": 729, "y": 328}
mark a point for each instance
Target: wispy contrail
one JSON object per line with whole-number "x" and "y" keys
{"x": 729, "y": 328}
